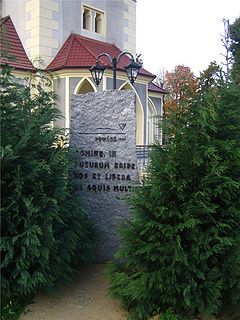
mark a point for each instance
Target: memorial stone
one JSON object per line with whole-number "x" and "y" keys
{"x": 103, "y": 135}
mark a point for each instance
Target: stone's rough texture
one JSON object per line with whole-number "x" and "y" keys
{"x": 103, "y": 132}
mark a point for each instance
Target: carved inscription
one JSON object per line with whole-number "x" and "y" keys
{"x": 98, "y": 171}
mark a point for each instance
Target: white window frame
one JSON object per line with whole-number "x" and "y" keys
{"x": 94, "y": 12}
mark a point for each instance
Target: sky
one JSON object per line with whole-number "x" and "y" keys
{"x": 186, "y": 32}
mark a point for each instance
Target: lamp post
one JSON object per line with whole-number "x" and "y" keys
{"x": 132, "y": 69}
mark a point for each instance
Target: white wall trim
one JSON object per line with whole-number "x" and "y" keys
{"x": 153, "y": 106}
{"x": 132, "y": 88}
{"x": 128, "y": 84}
{"x": 104, "y": 83}
{"x": 67, "y": 103}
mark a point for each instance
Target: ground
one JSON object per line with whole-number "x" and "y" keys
{"x": 85, "y": 299}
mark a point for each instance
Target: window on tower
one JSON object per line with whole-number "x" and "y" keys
{"x": 93, "y": 20}
{"x": 86, "y": 19}
{"x": 98, "y": 23}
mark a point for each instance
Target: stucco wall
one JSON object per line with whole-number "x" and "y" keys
{"x": 73, "y": 82}
{"x": 59, "y": 89}
{"x": 70, "y": 18}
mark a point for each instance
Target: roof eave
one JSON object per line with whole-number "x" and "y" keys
{"x": 19, "y": 68}
{"x": 160, "y": 92}
{"x": 62, "y": 67}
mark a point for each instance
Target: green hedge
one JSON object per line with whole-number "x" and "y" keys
{"x": 181, "y": 250}
{"x": 45, "y": 233}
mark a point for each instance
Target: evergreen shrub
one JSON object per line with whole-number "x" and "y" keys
{"x": 181, "y": 248}
{"x": 45, "y": 233}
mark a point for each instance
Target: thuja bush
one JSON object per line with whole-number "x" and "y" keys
{"x": 181, "y": 248}
{"x": 45, "y": 233}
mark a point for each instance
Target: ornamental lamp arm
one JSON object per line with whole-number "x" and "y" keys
{"x": 125, "y": 53}
{"x": 104, "y": 54}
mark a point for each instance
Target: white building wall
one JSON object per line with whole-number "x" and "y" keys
{"x": 130, "y": 26}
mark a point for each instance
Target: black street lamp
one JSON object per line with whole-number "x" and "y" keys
{"x": 132, "y": 69}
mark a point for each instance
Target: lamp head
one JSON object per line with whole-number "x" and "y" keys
{"x": 97, "y": 73}
{"x": 132, "y": 71}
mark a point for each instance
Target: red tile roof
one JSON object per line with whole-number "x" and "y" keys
{"x": 81, "y": 52}
{"x": 155, "y": 88}
{"x": 11, "y": 48}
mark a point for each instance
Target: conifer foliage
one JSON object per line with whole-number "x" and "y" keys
{"x": 181, "y": 249}
{"x": 44, "y": 231}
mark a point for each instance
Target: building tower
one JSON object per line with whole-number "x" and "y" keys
{"x": 44, "y": 25}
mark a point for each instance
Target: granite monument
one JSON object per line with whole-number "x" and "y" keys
{"x": 103, "y": 136}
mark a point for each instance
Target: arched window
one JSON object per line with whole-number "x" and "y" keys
{"x": 86, "y": 19}
{"x": 152, "y": 125}
{"x": 98, "y": 23}
{"x": 85, "y": 86}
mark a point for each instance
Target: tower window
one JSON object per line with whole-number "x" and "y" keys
{"x": 93, "y": 20}
{"x": 98, "y": 23}
{"x": 86, "y": 19}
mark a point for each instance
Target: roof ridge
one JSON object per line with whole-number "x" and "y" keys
{"x": 93, "y": 40}
{"x": 85, "y": 46}
{"x": 4, "y": 19}
{"x": 71, "y": 36}
{"x": 61, "y": 49}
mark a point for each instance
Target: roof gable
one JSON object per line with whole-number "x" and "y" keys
{"x": 11, "y": 48}
{"x": 81, "y": 52}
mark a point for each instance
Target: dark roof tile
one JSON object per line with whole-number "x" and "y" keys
{"x": 155, "y": 88}
{"x": 11, "y": 48}
{"x": 81, "y": 52}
